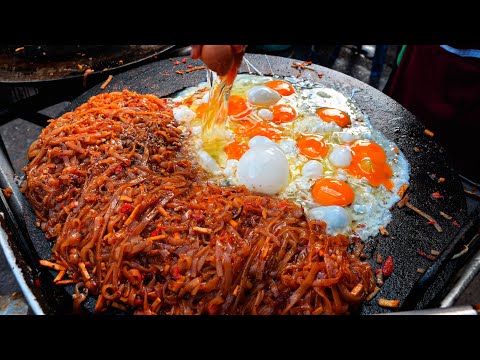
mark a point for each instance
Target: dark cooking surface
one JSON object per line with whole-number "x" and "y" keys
{"x": 47, "y": 63}
{"x": 408, "y": 230}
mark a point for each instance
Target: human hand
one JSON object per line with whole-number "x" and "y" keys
{"x": 219, "y": 58}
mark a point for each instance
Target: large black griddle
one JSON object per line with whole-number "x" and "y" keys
{"x": 408, "y": 230}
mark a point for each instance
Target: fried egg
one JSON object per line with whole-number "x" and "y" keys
{"x": 301, "y": 141}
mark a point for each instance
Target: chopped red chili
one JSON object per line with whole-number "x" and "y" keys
{"x": 155, "y": 232}
{"x": 184, "y": 60}
{"x": 437, "y": 195}
{"x": 176, "y": 63}
{"x": 387, "y": 267}
{"x": 176, "y": 272}
{"x": 118, "y": 169}
{"x": 456, "y": 223}
{"x": 126, "y": 209}
{"x": 431, "y": 222}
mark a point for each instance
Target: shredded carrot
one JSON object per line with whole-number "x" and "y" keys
{"x": 126, "y": 198}
{"x": 441, "y": 180}
{"x": 428, "y": 132}
{"x": 162, "y": 211}
{"x": 65, "y": 282}
{"x": 373, "y": 293}
{"x": 85, "y": 74}
{"x": 59, "y": 276}
{"x": 51, "y": 265}
{"x": 104, "y": 85}
{"x": 233, "y": 223}
{"x": 393, "y": 304}
{"x": 179, "y": 72}
{"x": 132, "y": 215}
{"x": 446, "y": 216}
{"x": 402, "y": 190}
{"x": 84, "y": 271}
{"x": 202, "y": 230}
{"x": 403, "y": 202}
{"x": 425, "y": 215}
{"x": 157, "y": 237}
{"x": 21, "y": 48}
{"x": 357, "y": 289}
{"x": 195, "y": 68}
{"x": 383, "y": 230}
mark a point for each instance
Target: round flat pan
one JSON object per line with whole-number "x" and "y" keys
{"x": 409, "y": 232}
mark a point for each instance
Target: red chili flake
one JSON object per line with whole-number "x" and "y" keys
{"x": 377, "y": 271}
{"x": 37, "y": 283}
{"x": 189, "y": 66}
{"x": 320, "y": 75}
{"x": 429, "y": 257}
{"x": 184, "y": 60}
{"x": 126, "y": 209}
{"x": 437, "y": 195}
{"x": 431, "y": 222}
{"x": 166, "y": 74}
{"x": 456, "y": 223}
{"x": 387, "y": 267}
{"x": 176, "y": 272}
{"x": 176, "y": 63}
{"x": 197, "y": 217}
{"x": 118, "y": 169}
{"x": 155, "y": 232}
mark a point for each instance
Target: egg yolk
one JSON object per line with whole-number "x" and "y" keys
{"x": 370, "y": 161}
{"x": 235, "y": 150}
{"x": 283, "y": 113}
{"x": 282, "y": 87}
{"x": 238, "y": 106}
{"x": 328, "y": 191}
{"x": 339, "y": 117}
{"x": 201, "y": 109}
{"x": 249, "y": 130}
{"x": 312, "y": 147}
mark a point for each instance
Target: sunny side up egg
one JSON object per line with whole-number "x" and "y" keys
{"x": 306, "y": 143}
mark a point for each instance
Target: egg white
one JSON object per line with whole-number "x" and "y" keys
{"x": 371, "y": 206}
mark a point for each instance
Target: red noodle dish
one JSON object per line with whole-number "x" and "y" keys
{"x": 135, "y": 223}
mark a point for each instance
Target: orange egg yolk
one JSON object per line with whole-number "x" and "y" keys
{"x": 235, "y": 150}
{"x": 238, "y": 106}
{"x": 283, "y": 113}
{"x": 328, "y": 191}
{"x": 249, "y": 130}
{"x": 312, "y": 147}
{"x": 339, "y": 117}
{"x": 201, "y": 109}
{"x": 282, "y": 87}
{"x": 370, "y": 161}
